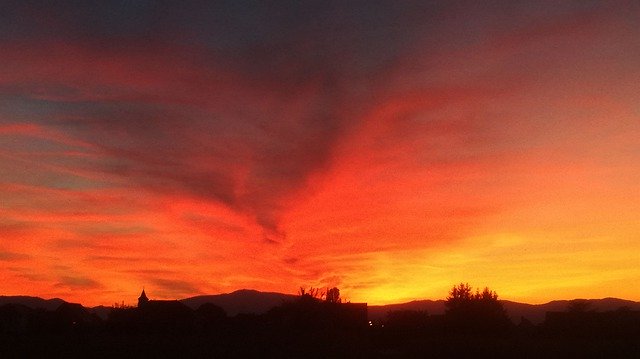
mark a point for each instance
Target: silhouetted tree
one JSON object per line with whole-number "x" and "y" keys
{"x": 313, "y": 293}
{"x": 475, "y": 312}
{"x": 333, "y": 295}
{"x": 459, "y": 298}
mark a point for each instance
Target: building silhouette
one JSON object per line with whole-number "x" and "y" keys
{"x": 163, "y": 314}
{"x": 142, "y": 300}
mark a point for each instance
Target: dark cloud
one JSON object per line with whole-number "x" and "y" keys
{"x": 98, "y": 229}
{"x": 28, "y": 273}
{"x": 117, "y": 259}
{"x": 174, "y": 288}
{"x": 147, "y": 135}
{"x": 74, "y": 244}
{"x": 291, "y": 260}
{"x": 11, "y": 256}
{"x": 237, "y": 102}
{"x": 9, "y": 227}
{"x": 77, "y": 282}
{"x": 153, "y": 272}
{"x": 34, "y": 277}
{"x": 206, "y": 222}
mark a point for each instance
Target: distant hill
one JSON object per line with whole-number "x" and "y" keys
{"x": 533, "y": 312}
{"x": 241, "y": 301}
{"x": 379, "y": 312}
{"x": 32, "y": 302}
{"x": 536, "y": 312}
{"x": 252, "y": 301}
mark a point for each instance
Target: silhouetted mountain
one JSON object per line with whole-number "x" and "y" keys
{"x": 533, "y": 312}
{"x": 241, "y": 301}
{"x": 254, "y": 302}
{"x": 432, "y": 307}
{"x": 536, "y": 312}
{"x": 32, "y": 302}
{"x": 284, "y": 325}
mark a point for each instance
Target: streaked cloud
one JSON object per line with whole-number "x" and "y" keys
{"x": 389, "y": 148}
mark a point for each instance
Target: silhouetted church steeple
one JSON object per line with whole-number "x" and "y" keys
{"x": 142, "y": 300}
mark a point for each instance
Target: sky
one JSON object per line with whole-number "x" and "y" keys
{"x": 391, "y": 149}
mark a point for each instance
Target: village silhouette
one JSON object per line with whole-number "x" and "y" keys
{"x": 317, "y": 324}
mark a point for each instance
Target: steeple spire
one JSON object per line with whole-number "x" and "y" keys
{"x": 142, "y": 300}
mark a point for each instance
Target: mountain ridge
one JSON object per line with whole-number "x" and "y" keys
{"x": 250, "y": 301}
{"x": 32, "y": 302}
{"x": 246, "y": 301}
{"x": 515, "y": 310}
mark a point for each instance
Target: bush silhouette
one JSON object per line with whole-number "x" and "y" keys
{"x": 479, "y": 312}
{"x": 333, "y": 295}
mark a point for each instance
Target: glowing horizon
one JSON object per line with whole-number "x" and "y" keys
{"x": 391, "y": 150}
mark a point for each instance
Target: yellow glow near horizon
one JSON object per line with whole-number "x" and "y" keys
{"x": 391, "y": 158}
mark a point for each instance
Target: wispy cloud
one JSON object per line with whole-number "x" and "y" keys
{"x": 77, "y": 282}
{"x": 308, "y": 142}
{"x": 170, "y": 288}
{"x": 11, "y": 256}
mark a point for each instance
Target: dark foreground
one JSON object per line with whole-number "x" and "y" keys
{"x": 266, "y": 343}
{"x": 309, "y": 330}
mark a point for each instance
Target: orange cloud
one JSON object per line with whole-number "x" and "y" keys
{"x": 391, "y": 152}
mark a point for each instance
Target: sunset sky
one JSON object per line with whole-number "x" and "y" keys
{"x": 389, "y": 148}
